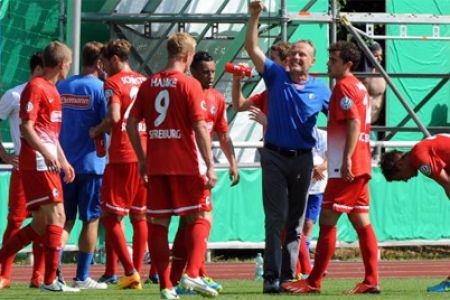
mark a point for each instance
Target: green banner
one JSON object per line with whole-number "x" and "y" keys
{"x": 418, "y": 209}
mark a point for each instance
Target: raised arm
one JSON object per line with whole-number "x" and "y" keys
{"x": 239, "y": 102}
{"x": 251, "y": 39}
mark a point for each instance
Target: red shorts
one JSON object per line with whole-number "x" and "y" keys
{"x": 41, "y": 187}
{"x": 177, "y": 195}
{"x": 347, "y": 197}
{"x": 17, "y": 203}
{"x": 123, "y": 190}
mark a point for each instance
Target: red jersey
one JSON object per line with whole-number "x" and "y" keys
{"x": 261, "y": 101}
{"x": 171, "y": 102}
{"x": 40, "y": 103}
{"x": 432, "y": 155}
{"x": 348, "y": 101}
{"x": 122, "y": 88}
{"x": 216, "y": 117}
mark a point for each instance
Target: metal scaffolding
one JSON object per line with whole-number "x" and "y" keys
{"x": 283, "y": 23}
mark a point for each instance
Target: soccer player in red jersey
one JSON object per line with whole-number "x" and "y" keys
{"x": 123, "y": 191}
{"x": 432, "y": 158}
{"x": 203, "y": 68}
{"x": 17, "y": 212}
{"x": 179, "y": 165}
{"x": 40, "y": 161}
{"x": 349, "y": 171}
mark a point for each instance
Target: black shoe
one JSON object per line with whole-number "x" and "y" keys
{"x": 271, "y": 286}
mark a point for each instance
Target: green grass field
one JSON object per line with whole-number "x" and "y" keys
{"x": 331, "y": 289}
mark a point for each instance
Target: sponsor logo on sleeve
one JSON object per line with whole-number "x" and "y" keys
{"x": 203, "y": 105}
{"x": 346, "y": 103}
{"x": 213, "y": 110}
{"x": 56, "y": 116}
{"x": 108, "y": 93}
{"x": 29, "y": 106}
{"x": 55, "y": 192}
{"x": 425, "y": 169}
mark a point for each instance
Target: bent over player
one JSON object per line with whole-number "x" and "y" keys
{"x": 432, "y": 158}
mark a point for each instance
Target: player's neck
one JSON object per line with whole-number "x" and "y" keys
{"x": 175, "y": 65}
{"x": 52, "y": 75}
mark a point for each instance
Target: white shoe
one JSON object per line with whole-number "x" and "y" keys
{"x": 89, "y": 284}
{"x": 57, "y": 286}
{"x": 198, "y": 285}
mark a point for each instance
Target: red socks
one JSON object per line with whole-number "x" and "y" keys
{"x": 324, "y": 252}
{"x": 303, "y": 257}
{"x": 111, "y": 258}
{"x": 139, "y": 241}
{"x": 179, "y": 256}
{"x": 153, "y": 270}
{"x": 196, "y": 238}
{"x": 52, "y": 238}
{"x": 369, "y": 252}
{"x": 39, "y": 258}
{"x": 116, "y": 237}
{"x": 159, "y": 248}
{"x": 12, "y": 228}
{"x": 22, "y": 238}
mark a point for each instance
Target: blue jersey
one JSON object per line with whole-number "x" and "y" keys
{"x": 84, "y": 106}
{"x": 293, "y": 108}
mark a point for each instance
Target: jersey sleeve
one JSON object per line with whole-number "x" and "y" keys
{"x": 7, "y": 104}
{"x": 137, "y": 111}
{"x": 30, "y": 101}
{"x": 347, "y": 105}
{"x": 112, "y": 92}
{"x": 422, "y": 160}
{"x": 196, "y": 103}
{"x": 326, "y": 99}
{"x": 258, "y": 100}
{"x": 221, "y": 124}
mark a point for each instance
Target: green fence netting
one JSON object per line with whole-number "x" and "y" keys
{"x": 418, "y": 56}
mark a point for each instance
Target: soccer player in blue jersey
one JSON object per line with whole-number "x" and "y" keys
{"x": 84, "y": 106}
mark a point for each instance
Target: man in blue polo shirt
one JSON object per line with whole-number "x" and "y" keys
{"x": 295, "y": 99}
{"x": 84, "y": 107}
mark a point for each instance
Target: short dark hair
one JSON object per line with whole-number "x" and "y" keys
{"x": 282, "y": 48}
{"x": 36, "y": 60}
{"x": 347, "y": 52}
{"x": 200, "y": 57}
{"x": 119, "y": 47}
{"x": 388, "y": 163}
{"x": 91, "y": 53}
{"x": 56, "y": 53}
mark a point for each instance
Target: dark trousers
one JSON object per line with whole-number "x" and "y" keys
{"x": 285, "y": 183}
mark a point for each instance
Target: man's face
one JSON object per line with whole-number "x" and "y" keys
{"x": 205, "y": 72}
{"x": 336, "y": 66}
{"x": 301, "y": 58}
{"x": 405, "y": 170}
{"x": 378, "y": 55}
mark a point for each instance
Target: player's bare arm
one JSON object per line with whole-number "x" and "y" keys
{"x": 135, "y": 140}
{"x": 69, "y": 172}
{"x": 112, "y": 117}
{"x": 29, "y": 134}
{"x": 444, "y": 181}
{"x": 239, "y": 102}
{"x": 226, "y": 145}
{"x": 204, "y": 146}
{"x": 257, "y": 115}
{"x": 352, "y": 135}
{"x": 251, "y": 39}
{"x": 8, "y": 158}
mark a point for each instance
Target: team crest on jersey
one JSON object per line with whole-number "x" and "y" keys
{"x": 203, "y": 105}
{"x": 213, "y": 110}
{"x": 55, "y": 192}
{"x": 425, "y": 169}
{"x": 346, "y": 103}
{"x": 108, "y": 93}
{"x": 311, "y": 96}
{"x": 29, "y": 106}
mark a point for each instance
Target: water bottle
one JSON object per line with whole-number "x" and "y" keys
{"x": 238, "y": 69}
{"x": 100, "y": 146}
{"x": 259, "y": 267}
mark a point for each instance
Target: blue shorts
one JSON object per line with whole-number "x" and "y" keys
{"x": 313, "y": 209}
{"x": 83, "y": 193}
